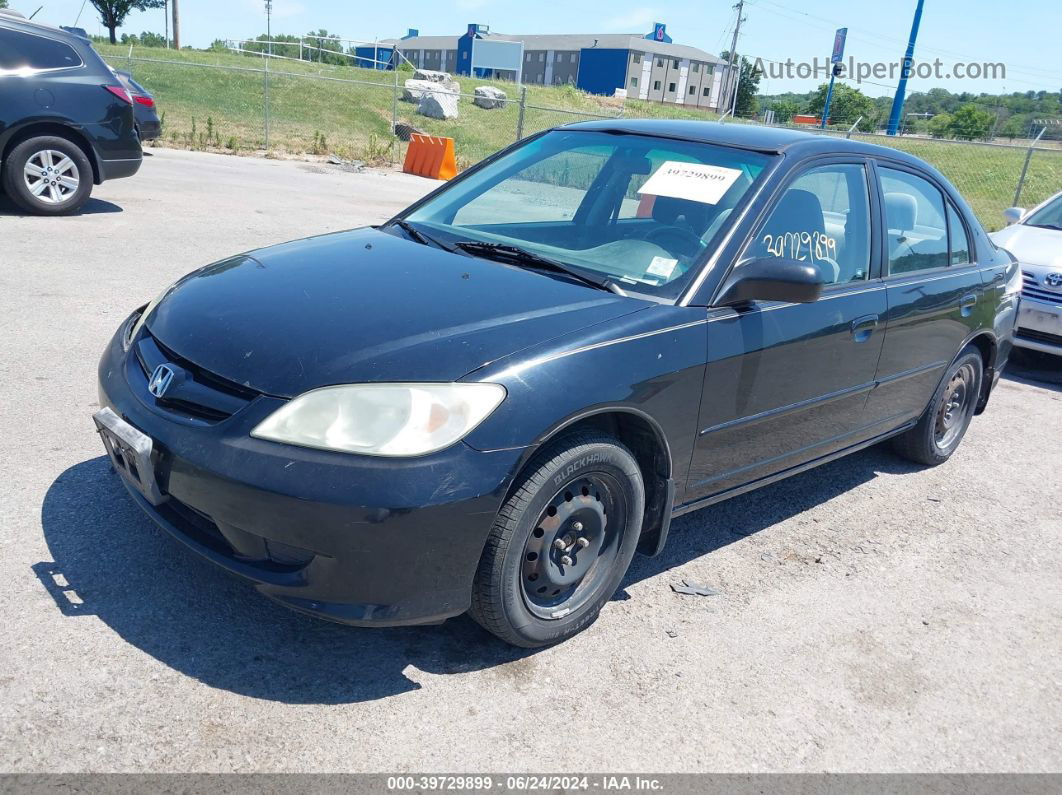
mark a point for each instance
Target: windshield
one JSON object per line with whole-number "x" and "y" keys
{"x": 639, "y": 211}
{"x": 1050, "y": 215}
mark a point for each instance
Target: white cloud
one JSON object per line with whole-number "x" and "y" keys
{"x": 636, "y": 20}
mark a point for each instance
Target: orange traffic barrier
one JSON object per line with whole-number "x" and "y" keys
{"x": 429, "y": 156}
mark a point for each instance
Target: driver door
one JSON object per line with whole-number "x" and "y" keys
{"x": 787, "y": 383}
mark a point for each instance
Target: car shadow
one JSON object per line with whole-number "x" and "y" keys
{"x": 91, "y": 207}
{"x": 112, "y": 562}
{"x": 704, "y": 531}
{"x": 1034, "y": 368}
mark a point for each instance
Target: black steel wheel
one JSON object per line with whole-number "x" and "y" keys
{"x": 561, "y": 543}
{"x": 943, "y": 425}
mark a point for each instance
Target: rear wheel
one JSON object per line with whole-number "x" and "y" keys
{"x": 938, "y": 434}
{"x": 48, "y": 175}
{"x": 561, "y": 543}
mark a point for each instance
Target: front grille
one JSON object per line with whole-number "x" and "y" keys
{"x": 1039, "y": 336}
{"x": 202, "y": 395}
{"x": 1031, "y": 287}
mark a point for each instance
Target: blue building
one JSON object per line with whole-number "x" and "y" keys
{"x": 646, "y": 66}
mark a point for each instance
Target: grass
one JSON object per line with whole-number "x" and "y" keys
{"x": 217, "y": 100}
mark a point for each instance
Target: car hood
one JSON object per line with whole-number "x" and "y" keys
{"x": 1032, "y": 245}
{"x": 365, "y": 306}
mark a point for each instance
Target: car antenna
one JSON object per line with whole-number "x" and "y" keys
{"x": 31, "y": 16}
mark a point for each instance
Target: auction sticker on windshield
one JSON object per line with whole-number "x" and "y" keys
{"x": 694, "y": 181}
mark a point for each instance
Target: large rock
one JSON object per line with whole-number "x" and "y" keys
{"x": 445, "y": 78}
{"x": 489, "y": 97}
{"x": 415, "y": 89}
{"x": 438, "y": 105}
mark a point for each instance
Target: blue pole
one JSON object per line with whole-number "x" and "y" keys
{"x": 901, "y": 89}
{"x": 829, "y": 96}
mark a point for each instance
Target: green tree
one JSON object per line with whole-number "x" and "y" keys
{"x": 114, "y": 12}
{"x": 1014, "y": 127}
{"x": 3, "y": 3}
{"x": 747, "y": 87}
{"x": 785, "y": 110}
{"x": 846, "y": 106}
{"x": 970, "y": 122}
{"x": 940, "y": 125}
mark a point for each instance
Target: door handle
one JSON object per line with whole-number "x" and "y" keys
{"x": 967, "y": 304}
{"x": 863, "y": 327}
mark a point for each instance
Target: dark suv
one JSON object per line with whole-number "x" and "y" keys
{"x": 66, "y": 122}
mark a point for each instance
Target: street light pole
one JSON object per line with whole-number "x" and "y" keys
{"x": 901, "y": 89}
{"x": 269, "y": 26}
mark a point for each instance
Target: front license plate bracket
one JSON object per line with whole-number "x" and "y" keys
{"x": 132, "y": 454}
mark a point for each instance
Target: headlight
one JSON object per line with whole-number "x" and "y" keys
{"x": 382, "y": 419}
{"x": 144, "y": 316}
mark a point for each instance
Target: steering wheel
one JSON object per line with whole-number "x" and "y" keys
{"x": 676, "y": 240}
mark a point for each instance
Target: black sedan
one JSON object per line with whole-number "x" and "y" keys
{"x": 491, "y": 402}
{"x": 148, "y": 123}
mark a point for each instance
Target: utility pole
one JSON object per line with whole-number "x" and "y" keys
{"x": 734, "y": 80}
{"x": 166, "y": 20}
{"x": 901, "y": 89}
{"x": 176, "y": 25}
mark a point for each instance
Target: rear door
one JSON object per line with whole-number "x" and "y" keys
{"x": 788, "y": 383}
{"x": 934, "y": 291}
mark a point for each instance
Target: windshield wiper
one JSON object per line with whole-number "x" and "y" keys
{"x": 1046, "y": 226}
{"x": 522, "y": 256}
{"x": 417, "y": 235}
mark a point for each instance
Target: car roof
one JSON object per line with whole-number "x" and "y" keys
{"x": 39, "y": 28}
{"x": 772, "y": 140}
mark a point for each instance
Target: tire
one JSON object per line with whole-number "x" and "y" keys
{"x": 584, "y": 491}
{"x": 943, "y": 426}
{"x": 67, "y": 192}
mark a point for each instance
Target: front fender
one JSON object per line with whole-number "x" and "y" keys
{"x": 649, "y": 364}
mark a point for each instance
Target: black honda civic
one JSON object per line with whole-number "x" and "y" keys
{"x": 491, "y": 402}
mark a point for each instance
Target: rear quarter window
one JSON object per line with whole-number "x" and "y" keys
{"x": 20, "y": 51}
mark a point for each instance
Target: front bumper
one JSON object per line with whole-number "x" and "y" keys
{"x": 354, "y": 539}
{"x": 1039, "y": 325}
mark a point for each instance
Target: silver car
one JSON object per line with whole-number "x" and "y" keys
{"x": 1035, "y": 238}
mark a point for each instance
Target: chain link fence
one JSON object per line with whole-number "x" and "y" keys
{"x": 221, "y": 101}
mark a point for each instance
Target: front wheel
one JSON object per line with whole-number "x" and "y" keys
{"x": 48, "y": 175}
{"x": 942, "y": 427}
{"x": 561, "y": 543}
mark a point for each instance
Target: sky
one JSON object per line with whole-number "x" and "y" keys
{"x": 1022, "y": 36}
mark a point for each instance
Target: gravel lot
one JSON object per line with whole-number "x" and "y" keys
{"x": 873, "y": 616}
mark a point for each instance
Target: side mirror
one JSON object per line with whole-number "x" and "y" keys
{"x": 772, "y": 279}
{"x": 1013, "y": 214}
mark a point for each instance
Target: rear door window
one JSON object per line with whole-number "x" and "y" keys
{"x": 960, "y": 243}
{"x": 21, "y": 51}
{"x": 916, "y": 223}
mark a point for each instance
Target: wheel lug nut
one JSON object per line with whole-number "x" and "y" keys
{"x": 583, "y": 542}
{"x": 577, "y": 527}
{"x": 558, "y": 543}
{"x": 567, "y": 561}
